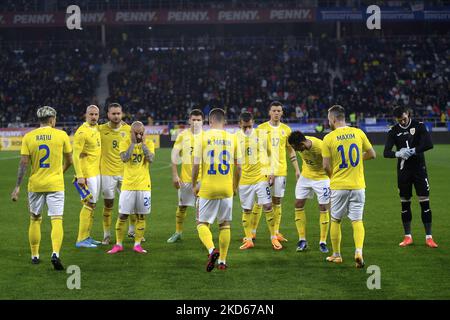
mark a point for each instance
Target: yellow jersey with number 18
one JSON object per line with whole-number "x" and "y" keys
{"x": 312, "y": 167}
{"x": 345, "y": 147}
{"x": 217, "y": 154}
{"x": 184, "y": 145}
{"x": 46, "y": 146}
{"x": 111, "y": 164}
{"x": 136, "y": 174}
{"x": 87, "y": 143}
{"x": 278, "y": 143}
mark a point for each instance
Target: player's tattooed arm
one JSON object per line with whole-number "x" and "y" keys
{"x": 125, "y": 156}
{"x": 23, "y": 166}
{"x": 148, "y": 155}
{"x": 293, "y": 158}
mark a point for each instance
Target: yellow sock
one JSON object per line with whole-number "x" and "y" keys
{"x": 277, "y": 217}
{"x": 324, "y": 219}
{"x": 34, "y": 235}
{"x": 180, "y": 216}
{"x": 140, "y": 229}
{"x": 205, "y": 236}
{"x": 271, "y": 222}
{"x": 256, "y": 217}
{"x": 107, "y": 220}
{"x": 224, "y": 242}
{"x": 335, "y": 236}
{"x": 132, "y": 223}
{"x": 358, "y": 234}
{"x": 57, "y": 234}
{"x": 85, "y": 221}
{"x": 246, "y": 223}
{"x": 91, "y": 222}
{"x": 300, "y": 222}
{"x": 120, "y": 231}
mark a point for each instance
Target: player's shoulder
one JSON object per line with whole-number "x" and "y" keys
{"x": 284, "y": 126}
{"x": 81, "y": 129}
{"x": 264, "y": 126}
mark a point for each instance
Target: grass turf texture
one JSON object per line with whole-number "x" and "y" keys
{"x": 177, "y": 271}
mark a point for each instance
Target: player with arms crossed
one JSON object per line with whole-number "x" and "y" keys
{"x": 254, "y": 183}
{"x": 278, "y": 134}
{"x": 111, "y": 166}
{"x": 411, "y": 139}
{"x": 135, "y": 197}
{"x": 44, "y": 148}
{"x": 86, "y": 161}
{"x": 184, "y": 149}
{"x": 313, "y": 179}
{"x": 344, "y": 151}
{"x": 219, "y": 155}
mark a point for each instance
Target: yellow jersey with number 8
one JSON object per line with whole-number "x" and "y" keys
{"x": 345, "y": 147}
{"x": 46, "y": 146}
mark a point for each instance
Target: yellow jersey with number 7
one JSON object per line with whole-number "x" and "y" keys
{"x": 345, "y": 147}
{"x": 46, "y": 146}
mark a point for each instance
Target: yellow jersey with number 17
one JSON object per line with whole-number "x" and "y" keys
{"x": 136, "y": 174}
{"x": 278, "y": 143}
{"x": 87, "y": 143}
{"x": 217, "y": 154}
{"x": 46, "y": 146}
{"x": 345, "y": 147}
{"x": 184, "y": 145}
{"x": 111, "y": 164}
{"x": 312, "y": 167}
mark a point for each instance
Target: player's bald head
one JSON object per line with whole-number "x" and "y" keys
{"x": 137, "y": 125}
{"x": 92, "y": 114}
{"x": 92, "y": 107}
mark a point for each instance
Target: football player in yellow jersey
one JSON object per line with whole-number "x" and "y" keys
{"x": 219, "y": 154}
{"x": 344, "y": 150}
{"x": 111, "y": 166}
{"x": 86, "y": 161}
{"x": 254, "y": 182}
{"x": 313, "y": 179}
{"x": 44, "y": 148}
{"x": 278, "y": 134}
{"x": 135, "y": 196}
{"x": 183, "y": 150}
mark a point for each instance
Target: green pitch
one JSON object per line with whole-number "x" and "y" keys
{"x": 177, "y": 271}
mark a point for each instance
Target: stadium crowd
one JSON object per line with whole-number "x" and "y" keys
{"x": 368, "y": 76}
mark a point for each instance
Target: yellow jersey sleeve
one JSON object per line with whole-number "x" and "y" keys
{"x": 67, "y": 145}
{"x": 24, "y": 149}
{"x": 78, "y": 146}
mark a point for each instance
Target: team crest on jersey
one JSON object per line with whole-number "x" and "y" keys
{"x": 122, "y": 134}
{"x": 412, "y": 131}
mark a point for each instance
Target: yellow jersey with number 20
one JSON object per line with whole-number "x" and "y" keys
{"x": 136, "y": 175}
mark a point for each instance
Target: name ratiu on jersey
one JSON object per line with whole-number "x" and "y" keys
{"x": 43, "y": 137}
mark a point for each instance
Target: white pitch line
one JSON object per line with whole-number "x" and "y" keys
{"x": 10, "y": 158}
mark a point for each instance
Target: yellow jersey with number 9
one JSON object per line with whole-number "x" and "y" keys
{"x": 87, "y": 142}
{"x": 278, "y": 143}
{"x": 312, "y": 167}
{"x": 345, "y": 147}
{"x": 217, "y": 154}
{"x": 136, "y": 174}
{"x": 46, "y": 146}
{"x": 111, "y": 164}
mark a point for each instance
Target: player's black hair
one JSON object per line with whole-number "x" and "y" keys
{"x": 217, "y": 114}
{"x": 45, "y": 120}
{"x": 246, "y": 116}
{"x": 275, "y": 104}
{"x": 296, "y": 137}
{"x": 196, "y": 112}
{"x": 399, "y": 111}
{"x": 114, "y": 105}
{"x": 338, "y": 111}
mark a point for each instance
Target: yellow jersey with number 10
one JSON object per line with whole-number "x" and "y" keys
{"x": 46, "y": 146}
{"x": 312, "y": 167}
{"x": 345, "y": 147}
{"x": 136, "y": 174}
{"x": 217, "y": 154}
{"x": 87, "y": 141}
{"x": 111, "y": 164}
{"x": 278, "y": 143}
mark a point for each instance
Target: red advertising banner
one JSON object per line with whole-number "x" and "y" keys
{"x": 211, "y": 16}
